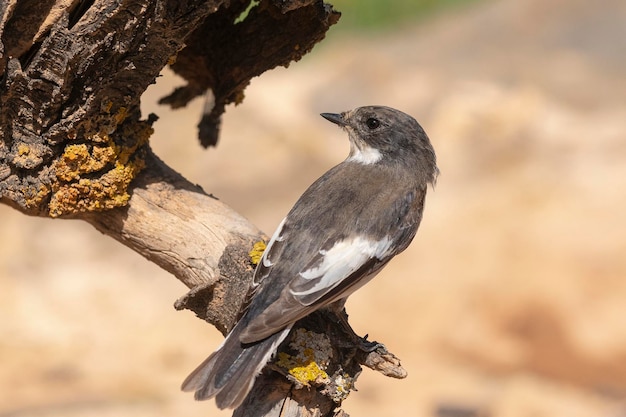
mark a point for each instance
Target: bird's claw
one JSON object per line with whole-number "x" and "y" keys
{"x": 370, "y": 346}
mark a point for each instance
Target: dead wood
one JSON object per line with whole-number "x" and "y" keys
{"x": 73, "y": 144}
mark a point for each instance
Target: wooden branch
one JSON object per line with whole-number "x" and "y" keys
{"x": 196, "y": 237}
{"x": 247, "y": 46}
{"x": 71, "y": 129}
{"x": 73, "y": 144}
{"x": 182, "y": 229}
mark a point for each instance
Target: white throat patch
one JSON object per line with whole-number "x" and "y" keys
{"x": 366, "y": 155}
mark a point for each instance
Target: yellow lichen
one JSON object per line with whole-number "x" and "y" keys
{"x": 257, "y": 252}
{"x": 120, "y": 115}
{"x": 109, "y": 165}
{"x": 340, "y": 386}
{"x": 28, "y": 155}
{"x": 35, "y": 195}
{"x": 304, "y": 369}
{"x": 106, "y": 192}
{"x": 106, "y": 106}
{"x": 81, "y": 159}
{"x": 307, "y": 362}
{"x": 312, "y": 352}
{"x": 23, "y": 149}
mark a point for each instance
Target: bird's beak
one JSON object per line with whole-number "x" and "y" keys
{"x": 335, "y": 118}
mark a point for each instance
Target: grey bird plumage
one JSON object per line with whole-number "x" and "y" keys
{"x": 344, "y": 228}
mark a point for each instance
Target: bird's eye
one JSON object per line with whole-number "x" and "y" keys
{"x": 372, "y": 123}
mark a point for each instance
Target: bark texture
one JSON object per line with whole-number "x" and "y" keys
{"x": 73, "y": 144}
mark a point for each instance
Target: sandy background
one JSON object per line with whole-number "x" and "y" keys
{"x": 514, "y": 291}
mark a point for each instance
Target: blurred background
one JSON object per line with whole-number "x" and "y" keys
{"x": 510, "y": 302}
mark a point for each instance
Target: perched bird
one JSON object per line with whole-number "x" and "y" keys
{"x": 337, "y": 237}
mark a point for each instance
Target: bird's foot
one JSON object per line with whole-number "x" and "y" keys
{"x": 369, "y": 346}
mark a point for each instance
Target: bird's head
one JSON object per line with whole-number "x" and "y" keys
{"x": 380, "y": 134}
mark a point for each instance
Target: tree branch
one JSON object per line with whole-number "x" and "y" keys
{"x": 73, "y": 144}
{"x": 196, "y": 237}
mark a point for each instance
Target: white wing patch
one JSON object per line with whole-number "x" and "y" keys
{"x": 365, "y": 155}
{"x": 276, "y": 237}
{"x": 344, "y": 258}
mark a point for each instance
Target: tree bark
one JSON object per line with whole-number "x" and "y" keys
{"x": 200, "y": 240}
{"x": 73, "y": 144}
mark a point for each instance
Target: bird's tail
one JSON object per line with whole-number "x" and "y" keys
{"x": 229, "y": 373}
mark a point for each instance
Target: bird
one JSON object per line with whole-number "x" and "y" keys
{"x": 339, "y": 234}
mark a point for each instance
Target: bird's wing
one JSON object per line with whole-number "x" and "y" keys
{"x": 331, "y": 272}
{"x": 349, "y": 259}
{"x": 272, "y": 251}
{"x": 335, "y": 274}
{"x": 335, "y": 268}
